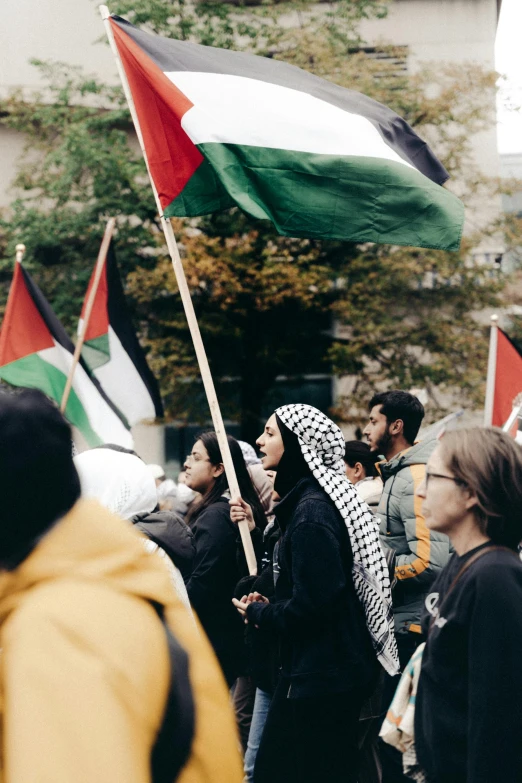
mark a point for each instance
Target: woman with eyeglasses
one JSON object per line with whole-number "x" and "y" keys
{"x": 218, "y": 564}
{"x": 468, "y": 714}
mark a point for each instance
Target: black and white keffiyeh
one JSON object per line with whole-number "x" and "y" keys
{"x": 322, "y": 445}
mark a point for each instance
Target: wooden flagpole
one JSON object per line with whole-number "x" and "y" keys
{"x": 102, "y": 256}
{"x": 513, "y": 416}
{"x": 188, "y": 306}
{"x": 492, "y": 369}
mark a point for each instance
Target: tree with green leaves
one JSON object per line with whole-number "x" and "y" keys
{"x": 267, "y": 305}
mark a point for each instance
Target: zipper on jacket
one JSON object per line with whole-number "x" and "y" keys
{"x": 388, "y": 505}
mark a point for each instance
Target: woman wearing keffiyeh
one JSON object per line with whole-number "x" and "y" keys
{"x": 332, "y": 607}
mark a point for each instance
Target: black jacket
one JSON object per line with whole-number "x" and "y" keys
{"x": 325, "y": 646}
{"x": 211, "y": 586}
{"x": 468, "y": 710}
{"x": 169, "y": 531}
{"x": 262, "y": 645}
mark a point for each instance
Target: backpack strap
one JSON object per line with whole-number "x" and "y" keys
{"x": 464, "y": 568}
{"x": 174, "y": 740}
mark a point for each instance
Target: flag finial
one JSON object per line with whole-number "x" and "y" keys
{"x": 20, "y": 250}
{"x": 494, "y": 320}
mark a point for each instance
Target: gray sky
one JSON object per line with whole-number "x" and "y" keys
{"x": 508, "y": 56}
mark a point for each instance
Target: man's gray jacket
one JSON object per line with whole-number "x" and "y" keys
{"x": 420, "y": 553}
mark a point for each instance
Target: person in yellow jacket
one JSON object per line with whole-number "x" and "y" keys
{"x": 84, "y": 667}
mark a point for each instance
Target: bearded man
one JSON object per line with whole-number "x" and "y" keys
{"x": 414, "y": 553}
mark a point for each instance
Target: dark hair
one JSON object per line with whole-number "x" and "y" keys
{"x": 246, "y": 487}
{"x": 400, "y": 405}
{"x": 117, "y": 447}
{"x": 489, "y": 463}
{"x": 292, "y": 465}
{"x": 38, "y": 479}
{"x": 358, "y": 451}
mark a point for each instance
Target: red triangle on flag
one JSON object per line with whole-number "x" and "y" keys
{"x": 160, "y": 105}
{"x": 508, "y": 379}
{"x": 24, "y": 331}
{"x": 99, "y": 320}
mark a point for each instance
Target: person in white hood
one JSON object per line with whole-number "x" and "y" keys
{"x": 122, "y": 482}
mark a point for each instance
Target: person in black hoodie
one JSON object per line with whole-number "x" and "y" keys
{"x": 468, "y": 714}
{"x": 170, "y": 532}
{"x": 332, "y": 600}
{"x": 217, "y": 567}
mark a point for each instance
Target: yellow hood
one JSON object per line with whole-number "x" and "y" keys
{"x": 92, "y": 544}
{"x": 81, "y": 699}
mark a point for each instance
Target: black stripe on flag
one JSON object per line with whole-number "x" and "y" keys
{"x": 120, "y": 321}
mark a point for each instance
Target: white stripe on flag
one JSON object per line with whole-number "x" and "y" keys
{"x": 124, "y": 385}
{"x": 107, "y": 425}
{"x": 238, "y": 110}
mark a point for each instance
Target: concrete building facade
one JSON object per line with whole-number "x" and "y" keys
{"x": 452, "y": 31}
{"x": 511, "y": 168}
{"x": 431, "y": 31}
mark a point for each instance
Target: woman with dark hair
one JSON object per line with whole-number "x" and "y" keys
{"x": 331, "y": 609}
{"x": 217, "y": 568}
{"x": 468, "y": 712}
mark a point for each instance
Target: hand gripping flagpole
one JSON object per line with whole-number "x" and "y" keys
{"x": 188, "y": 306}
{"x": 102, "y": 256}
{"x": 492, "y": 371}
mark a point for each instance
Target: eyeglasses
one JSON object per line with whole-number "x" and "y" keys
{"x": 195, "y": 458}
{"x": 429, "y": 475}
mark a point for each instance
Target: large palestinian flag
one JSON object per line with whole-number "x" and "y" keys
{"x": 225, "y": 128}
{"x": 113, "y": 353}
{"x": 36, "y": 352}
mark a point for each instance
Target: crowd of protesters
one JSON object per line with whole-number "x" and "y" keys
{"x": 378, "y": 641}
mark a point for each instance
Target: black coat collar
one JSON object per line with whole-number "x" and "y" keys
{"x": 284, "y": 510}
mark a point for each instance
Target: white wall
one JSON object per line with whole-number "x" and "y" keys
{"x": 149, "y": 442}
{"x": 59, "y": 30}
{"x": 63, "y": 30}
{"x": 11, "y": 148}
{"x": 440, "y": 29}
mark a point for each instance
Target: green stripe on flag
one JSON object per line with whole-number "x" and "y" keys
{"x": 96, "y": 352}
{"x": 358, "y": 199}
{"x": 35, "y": 373}
{"x": 202, "y": 195}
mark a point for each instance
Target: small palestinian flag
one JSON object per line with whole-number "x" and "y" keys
{"x": 35, "y": 352}
{"x": 507, "y": 363}
{"x": 224, "y": 129}
{"x": 113, "y": 353}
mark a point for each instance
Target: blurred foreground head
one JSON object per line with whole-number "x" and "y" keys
{"x": 38, "y": 480}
